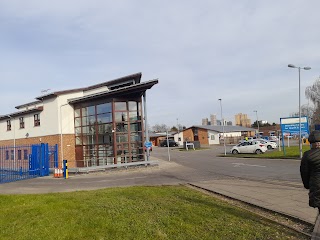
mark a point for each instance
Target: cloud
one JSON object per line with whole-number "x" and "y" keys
{"x": 199, "y": 50}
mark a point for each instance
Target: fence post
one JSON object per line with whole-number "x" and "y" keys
{"x": 56, "y": 156}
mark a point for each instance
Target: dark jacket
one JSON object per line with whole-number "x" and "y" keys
{"x": 310, "y": 174}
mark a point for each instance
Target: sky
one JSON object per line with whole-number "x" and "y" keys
{"x": 200, "y": 51}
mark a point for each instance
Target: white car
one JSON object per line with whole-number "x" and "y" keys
{"x": 270, "y": 145}
{"x": 249, "y": 147}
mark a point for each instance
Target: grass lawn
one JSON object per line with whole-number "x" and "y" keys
{"x": 291, "y": 152}
{"x": 167, "y": 212}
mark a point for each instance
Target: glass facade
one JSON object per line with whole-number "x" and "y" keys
{"x": 109, "y": 132}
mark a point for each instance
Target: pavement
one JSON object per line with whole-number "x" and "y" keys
{"x": 284, "y": 197}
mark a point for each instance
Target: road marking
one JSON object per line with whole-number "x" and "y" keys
{"x": 249, "y": 165}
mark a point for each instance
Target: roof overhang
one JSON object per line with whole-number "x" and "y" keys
{"x": 136, "y": 89}
{"x": 16, "y": 114}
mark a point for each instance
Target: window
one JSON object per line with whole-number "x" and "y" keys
{"x": 7, "y": 155}
{"x": 8, "y": 125}
{"x": 12, "y": 154}
{"x": 212, "y": 137}
{"x": 25, "y": 154}
{"x": 19, "y": 154}
{"x": 36, "y": 120}
{"x": 21, "y": 121}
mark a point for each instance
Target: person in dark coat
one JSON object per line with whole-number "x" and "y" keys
{"x": 310, "y": 175}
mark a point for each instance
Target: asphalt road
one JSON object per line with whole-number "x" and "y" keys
{"x": 184, "y": 167}
{"x": 206, "y": 163}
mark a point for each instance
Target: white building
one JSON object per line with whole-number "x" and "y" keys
{"x": 95, "y": 125}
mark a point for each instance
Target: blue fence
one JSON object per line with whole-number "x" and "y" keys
{"x": 24, "y": 162}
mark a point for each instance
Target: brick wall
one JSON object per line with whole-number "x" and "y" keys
{"x": 68, "y": 145}
{"x": 203, "y": 136}
{"x": 188, "y": 135}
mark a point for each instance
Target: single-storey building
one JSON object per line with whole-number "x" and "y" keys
{"x": 210, "y": 134}
{"x": 97, "y": 125}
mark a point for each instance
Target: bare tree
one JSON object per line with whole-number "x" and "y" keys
{"x": 160, "y": 128}
{"x": 313, "y": 94}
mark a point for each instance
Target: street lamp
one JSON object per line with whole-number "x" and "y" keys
{"x": 304, "y": 68}
{"x": 257, "y": 123}
{"x": 224, "y": 140}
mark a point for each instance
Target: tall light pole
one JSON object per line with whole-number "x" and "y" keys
{"x": 299, "y": 68}
{"x": 224, "y": 140}
{"x": 257, "y": 123}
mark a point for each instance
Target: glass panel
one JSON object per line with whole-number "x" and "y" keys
{"x": 121, "y": 127}
{"x": 105, "y": 139}
{"x": 91, "y": 110}
{"x": 133, "y": 116}
{"x": 77, "y": 122}
{"x": 105, "y": 128}
{"x": 120, "y": 106}
{"x": 104, "y": 108}
{"x": 78, "y": 131}
{"x": 88, "y": 140}
{"x": 135, "y": 127}
{"x": 77, "y": 112}
{"x": 78, "y": 141}
{"x": 85, "y": 120}
{"x": 84, "y": 111}
{"x": 88, "y": 120}
{"x": 135, "y": 137}
{"x": 122, "y": 138}
{"x": 85, "y": 130}
{"x": 121, "y": 116}
{"x": 92, "y": 120}
{"x": 104, "y": 118}
{"x": 133, "y": 106}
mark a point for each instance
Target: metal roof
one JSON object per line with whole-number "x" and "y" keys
{"x": 136, "y": 88}
{"x": 16, "y": 114}
{"x": 227, "y": 128}
{"x": 135, "y": 77}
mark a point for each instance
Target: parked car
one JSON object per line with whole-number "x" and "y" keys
{"x": 172, "y": 143}
{"x": 269, "y": 144}
{"x": 249, "y": 147}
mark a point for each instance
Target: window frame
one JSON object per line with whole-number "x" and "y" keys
{"x": 21, "y": 122}
{"x": 9, "y": 125}
{"x": 36, "y": 120}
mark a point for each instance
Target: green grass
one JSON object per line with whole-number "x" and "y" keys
{"x": 170, "y": 212}
{"x": 291, "y": 152}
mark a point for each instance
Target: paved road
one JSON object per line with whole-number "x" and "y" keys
{"x": 211, "y": 166}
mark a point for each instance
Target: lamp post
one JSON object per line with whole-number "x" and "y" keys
{"x": 178, "y": 131}
{"x": 299, "y": 68}
{"x": 257, "y": 123}
{"x": 224, "y": 140}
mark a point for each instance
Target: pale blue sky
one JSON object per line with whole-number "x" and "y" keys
{"x": 200, "y": 51}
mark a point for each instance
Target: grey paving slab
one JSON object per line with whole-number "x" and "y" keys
{"x": 289, "y": 200}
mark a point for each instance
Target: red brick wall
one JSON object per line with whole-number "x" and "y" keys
{"x": 203, "y": 136}
{"x": 68, "y": 145}
{"x": 188, "y": 135}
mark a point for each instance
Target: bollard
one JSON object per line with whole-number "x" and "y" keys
{"x": 65, "y": 169}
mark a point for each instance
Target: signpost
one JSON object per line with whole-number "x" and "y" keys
{"x": 148, "y": 144}
{"x": 291, "y": 127}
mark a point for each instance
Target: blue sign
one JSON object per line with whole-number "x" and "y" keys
{"x": 148, "y": 144}
{"x": 291, "y": 126}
